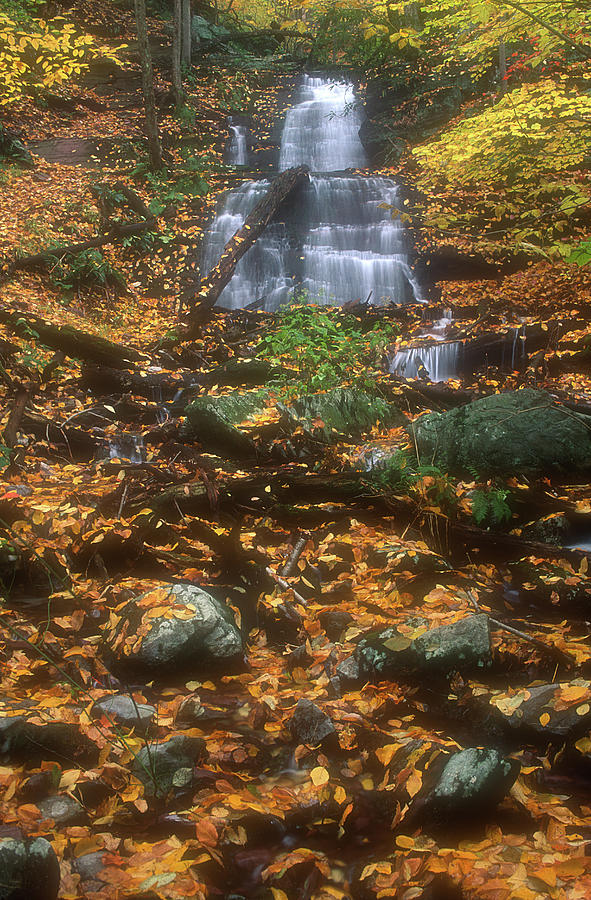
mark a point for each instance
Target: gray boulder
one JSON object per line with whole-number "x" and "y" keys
{"x": 473, "y": 778}
{"x": 201, "y": 634}
{"x": 156, "y": 764}
{"x": 35, "y": 741}
{"x": 122, "y": 709}
{"x": 63, "y": 809}
{"x": 463, "y": 645}
{"x": 89, "y": 865}
{"x": 516, "y": 432}
{"x": 309, "y": 724}
{"x": 29, "y": 870}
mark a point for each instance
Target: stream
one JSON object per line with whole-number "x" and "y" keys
{"x": 337, "y": 243}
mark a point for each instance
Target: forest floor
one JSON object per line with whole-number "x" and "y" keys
{"x": 104, "y": 497}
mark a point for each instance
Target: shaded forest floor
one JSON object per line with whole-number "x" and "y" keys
{"x": 105, "y": 496}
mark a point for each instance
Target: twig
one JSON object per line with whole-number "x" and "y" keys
{"x": 285, "y": 586}
{"x": 293, "y": 557}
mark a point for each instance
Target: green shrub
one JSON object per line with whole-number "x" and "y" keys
{"x": 322, "y": 348}
{"x": 490, "y": 507}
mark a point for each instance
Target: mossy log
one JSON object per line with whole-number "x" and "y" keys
{"x": 71, "y": 341}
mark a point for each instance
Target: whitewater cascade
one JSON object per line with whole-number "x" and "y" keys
{"x": 338, "y": 242}
{"x": 237, "y": 150}
{"x": 438, "y": 361}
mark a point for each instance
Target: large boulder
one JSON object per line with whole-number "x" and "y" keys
{"x": 341, "y": 412}
{"x": 29, "y": 870}
{"x": 171, "y": 628}
{"x": 122, "y": 708}
{"x": 462, "y": 645}
{"x": 516, "y": 432}
{"x": 473, "y": 779}
{"x": 212, "y": 420}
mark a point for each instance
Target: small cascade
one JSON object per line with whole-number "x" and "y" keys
{"x": 440, "y": 327}
{"x": 129, "y": 447}
{"x": 517, "y": 351}
{"x": 321, "y": 130}
{"x": 237, "y": 146}
{"x": 437, "y": 362}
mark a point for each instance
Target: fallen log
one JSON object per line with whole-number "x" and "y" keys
{"x": 71, "y": 341}
{"x": 281, "y": 188}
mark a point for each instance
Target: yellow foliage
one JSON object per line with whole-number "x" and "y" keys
{"x": 43, "y": 56}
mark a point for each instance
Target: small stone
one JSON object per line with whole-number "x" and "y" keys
{"x": 182, "y": 778}
{"x": 63, "y": 809}
{"x": 309, "y": 724}
{"x": 123, "y": 709}
{"x": 89, "y": 865}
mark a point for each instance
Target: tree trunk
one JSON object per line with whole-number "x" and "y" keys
{"x": 502, "y": 67}
{"x": 177, "y": 41}
{"x": 154, "y": 149}
{"x": 282, "y": 187}
{"x": 186, "y": 32}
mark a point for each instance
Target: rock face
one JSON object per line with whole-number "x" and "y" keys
{"x": 121, "y": 708}
{"x": 516, "y": 432}
{"x": 212, "y": 421}
{"x": 463, "y": 645}
{"x": 309, "y": 724}
{"x": 156, "y": 764}
{"x": 186, "y": 628}
{"x": 29, "y": 870}
{"x": 342, "y": 411}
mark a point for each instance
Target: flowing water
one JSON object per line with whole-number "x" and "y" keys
{"x": 237, "y": 150}
{"x": 437, "y": 362}
{"x": 336, "y": 241}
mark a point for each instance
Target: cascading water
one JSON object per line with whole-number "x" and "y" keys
{"x": 237, "y": 149}
{"x": 337, "y": 241}
{"x": 438, "y": 361}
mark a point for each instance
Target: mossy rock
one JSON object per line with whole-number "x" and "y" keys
{"x": 345, "y": 412}
{"x": 518, "y": 432}
{"x": 212, "y": 421}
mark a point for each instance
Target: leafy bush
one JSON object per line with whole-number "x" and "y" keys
{"x": 42, "y": 55}
{"x": 490, "y": 507}
{"x": 89, "y": 267}
{"x": 323, "y": 348}
{"x": 401, "y": 474}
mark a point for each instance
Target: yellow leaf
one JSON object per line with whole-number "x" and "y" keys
{"x": 544, "y": 719}
{"x": 583, "y": 709}
{"x": 319, "y": 776}
{"x": 405, "y": 842}
{"x": 278, "y": 894}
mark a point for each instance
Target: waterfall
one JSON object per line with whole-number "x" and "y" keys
{"x": 335, "y": 242}
{"x": 438, "y": 361}
{"x": 127, "y": 446}
{"x": 321, "y": 130}
{"x": 237, "y": 148}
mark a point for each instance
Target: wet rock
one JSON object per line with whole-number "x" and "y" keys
{"x": 334, "y": 622}
{"x": 121, "y": 708}
{"x": 40, "y": 785}
{"x": 63, "y": 809}
{"x": 342, "y": 411}
{"x": 156, "y": 764}
{"x": 309, "y": 724}
{"x": 89, "y": 865}
{"x": 462, "y": 645}
{"x": 551, "y": 711}
{"x": 190, "y": 711}
{"x": 475, "y": 778}
{"x": 516, "y": 432}
{"x": 414, "y": 558}
{"x": 22, "y": 739}
{"x": 29, "y": 870}
{"x": 191, "y": 631}
{"x": 212, "y": 421}
{"x": 553, "y": 529}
